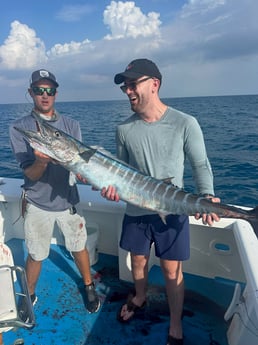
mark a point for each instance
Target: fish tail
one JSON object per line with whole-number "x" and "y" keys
{"x": 254, "y": 220}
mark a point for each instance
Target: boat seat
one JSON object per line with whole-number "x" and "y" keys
{"x": 13, "y": 289}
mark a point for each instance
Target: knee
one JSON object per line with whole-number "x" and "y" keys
{"x": 139, "y": 262}
{"x": 174, "y": 275}
{"x": 173, "y": 271}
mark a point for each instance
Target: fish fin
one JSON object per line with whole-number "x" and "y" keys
{"x": 108, "y": 154}
{"x": 87, "y": 154}
{"x": 254, "y": 222}
{"x": 167, "y": 180}
{"x": 104, "y": 151}
{"x": 254, "y": 212}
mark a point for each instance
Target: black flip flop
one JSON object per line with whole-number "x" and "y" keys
{"x": 174, "y": 341}
{"x": 131, "y": 307}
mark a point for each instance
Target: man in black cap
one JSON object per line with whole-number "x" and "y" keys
{"x": 156, "y": 140}
{"x": 49, "y": 191}
{"x": 138, "y": 68}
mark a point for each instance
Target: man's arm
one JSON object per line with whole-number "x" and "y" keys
{"x": 37, "y": 169}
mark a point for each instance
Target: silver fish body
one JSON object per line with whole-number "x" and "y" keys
{"x": 102, "y": 170}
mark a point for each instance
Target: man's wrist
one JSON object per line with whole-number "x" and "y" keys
{"x": 207, "y": 195}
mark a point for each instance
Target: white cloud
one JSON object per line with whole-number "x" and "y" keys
{"x": 207, "y": 45}
{"x": 22, "y": 49}
{"x": 73, "y": 13}
{"x": 124, "y": 19}
{"x": 209, "y": 30}
{"x": 197, "y": 7}
{"x": 68, "y": 48}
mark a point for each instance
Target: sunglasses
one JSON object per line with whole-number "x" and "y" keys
{"x": 133, "y": 84}
{"x": 38, "y": 91}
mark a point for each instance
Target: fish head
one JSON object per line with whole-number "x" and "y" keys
{"x": 52, "y": 142}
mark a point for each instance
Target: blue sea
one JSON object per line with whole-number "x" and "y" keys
{"x": 229, "y": 124}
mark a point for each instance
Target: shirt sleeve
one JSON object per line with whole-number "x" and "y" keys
{"x": 78, "y": 133}
{"x": 121, "y": 151}
{"x": 20, "y": 147}
{"x": 196, "y": 153}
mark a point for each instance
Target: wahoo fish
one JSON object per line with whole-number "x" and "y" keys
{"x": 101, "y": 169}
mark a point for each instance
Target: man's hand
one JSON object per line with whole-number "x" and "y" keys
{"x": 81, "y": 179}
{"x": 37, "y": 169}
{"x": 110, "y": 193}
{"x": 209, "y": 218}
{"x": 42, "y": 158}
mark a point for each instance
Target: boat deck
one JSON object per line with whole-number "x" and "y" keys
{"x": 61, "y": 317}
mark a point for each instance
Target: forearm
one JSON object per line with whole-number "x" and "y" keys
{"x": 35, "y": 171}
{"x": 203, "y": 178}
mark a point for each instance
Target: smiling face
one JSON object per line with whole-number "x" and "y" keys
{"x": 43, "y": 103}
{"x": 142, "y": 93}
{"x": 139, "y": 92}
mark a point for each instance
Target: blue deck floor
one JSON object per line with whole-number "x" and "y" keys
{"x": 61, "y": 317}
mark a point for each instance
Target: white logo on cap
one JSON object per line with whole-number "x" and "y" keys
{"x": 44, "y": 74}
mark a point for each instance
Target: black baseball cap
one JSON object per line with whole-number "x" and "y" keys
{"x": 138, "y": 68}
{"x": 43, "y": 74}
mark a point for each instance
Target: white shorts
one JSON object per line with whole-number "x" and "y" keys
{"x": 39, "y": 226}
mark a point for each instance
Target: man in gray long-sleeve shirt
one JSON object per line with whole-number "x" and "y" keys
{"x": 156, "y": 140}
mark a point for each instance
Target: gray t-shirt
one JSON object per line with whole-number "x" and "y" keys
{"x": 52, "y": 191}
{"x": 160, "y": 148}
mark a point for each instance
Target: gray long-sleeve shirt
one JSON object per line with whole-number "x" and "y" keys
{"x": 160, "y": 148}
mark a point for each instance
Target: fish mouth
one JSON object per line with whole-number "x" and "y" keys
{"x": 32, "y": 136}
{"x": 48, "y": 140}
{"x": 37, "y": 141}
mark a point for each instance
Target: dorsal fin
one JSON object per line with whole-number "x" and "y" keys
{"x": 168, "y": 180}
{"x": 87, "y": 154}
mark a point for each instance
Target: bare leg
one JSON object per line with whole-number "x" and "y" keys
{"x": 33, "y": 269}
{"x": 175, "y": 292}
{"x": 140, "y": 277}
{"x": 83, "y": 263}
{"x": 1, "y": 339}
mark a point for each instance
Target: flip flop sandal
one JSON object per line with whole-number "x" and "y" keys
{"x": 131, "y": 307}
{"x": 174, "y": 341}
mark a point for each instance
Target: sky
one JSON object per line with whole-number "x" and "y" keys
{"x": 202, "y": 47}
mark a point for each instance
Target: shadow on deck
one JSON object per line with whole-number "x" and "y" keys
{"x": 61, "y": 317}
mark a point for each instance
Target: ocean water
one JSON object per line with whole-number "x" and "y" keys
{"x": 229, "y": 124}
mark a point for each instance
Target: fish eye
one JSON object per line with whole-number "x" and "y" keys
{"x": 57, "y": 134}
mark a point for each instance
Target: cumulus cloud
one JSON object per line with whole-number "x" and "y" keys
{"x": 124, "y": 19}
{"x": 195, "y": 46}
{"x": 22, "y": 49}
{"x": 68, "y": 48}
{"x": 73, "y": 13}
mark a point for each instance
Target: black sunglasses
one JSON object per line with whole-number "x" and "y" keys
{"x": 133, "y": 85}
{"x": 38, "y": 91}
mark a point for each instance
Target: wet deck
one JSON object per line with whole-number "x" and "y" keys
{"x": 61, "y": 317}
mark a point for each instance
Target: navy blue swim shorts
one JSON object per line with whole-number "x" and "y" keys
{"x": 171, "y": 240}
